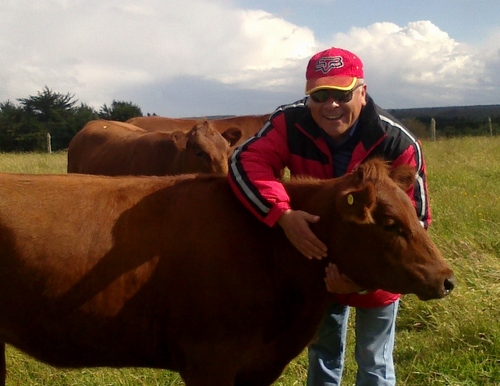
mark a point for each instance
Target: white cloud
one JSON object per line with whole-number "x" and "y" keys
{"x": 102, "y": 50}
{"x": 262, "y": 47}
{"x": 91, "y": 47}
{"x": 417, "y": 62}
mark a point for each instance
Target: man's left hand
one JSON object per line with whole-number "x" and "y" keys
{"x": 338, "y": 283}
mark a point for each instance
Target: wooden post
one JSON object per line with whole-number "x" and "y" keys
{"x": 490, "y": 125}
{"x": 433, "y": 129}
{"x": 49, "y": 144}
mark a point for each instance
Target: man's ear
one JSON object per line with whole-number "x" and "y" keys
{"x": 356, "y": 205}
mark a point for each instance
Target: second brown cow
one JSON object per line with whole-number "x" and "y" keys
{"x": 116, "y": 148}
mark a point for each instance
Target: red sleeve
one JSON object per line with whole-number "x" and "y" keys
{"x": 255, "y": 170}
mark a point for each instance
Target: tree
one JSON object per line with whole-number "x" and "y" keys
{"x": 24, "y": 127}
{"x": 47, "y": 112}
{"x": 81, "y": 115}
{"x": 120, "y": 111}
{"x": 49, "y": 106}
{"x": 417, "y": 127}
{"x": 10, "y": 119}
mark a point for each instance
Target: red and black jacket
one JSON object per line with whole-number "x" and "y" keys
{"x": 292, "y": 139}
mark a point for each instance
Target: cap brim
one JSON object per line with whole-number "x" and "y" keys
{"x": 344, "y": 83}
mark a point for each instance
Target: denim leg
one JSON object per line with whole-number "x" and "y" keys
{"x": 326, "y": 356}
{"x": 375, "y": 334}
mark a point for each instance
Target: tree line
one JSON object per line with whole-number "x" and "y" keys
{"x": 456, "y": 121}
{"x": 24, "y": 125}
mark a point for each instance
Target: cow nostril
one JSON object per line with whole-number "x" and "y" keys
{"x": 449, "y": 284}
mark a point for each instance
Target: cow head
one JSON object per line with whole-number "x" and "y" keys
{"x": 207, "y": 151}
{"x": 382, "y": 243}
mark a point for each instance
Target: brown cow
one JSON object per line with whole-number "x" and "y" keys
{"x": 248, "y": 124}
{"x": 174, "y": 273}
{"x": 116, "y": 148}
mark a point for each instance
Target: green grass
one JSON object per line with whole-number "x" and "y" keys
{"x": 457, "y": 341}
{"x": 452, "y": 342}
{"x": 33, "y": 163}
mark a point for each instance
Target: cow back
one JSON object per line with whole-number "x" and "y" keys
{"x": 117, "y": 148}
{"x": 248, "y": 125}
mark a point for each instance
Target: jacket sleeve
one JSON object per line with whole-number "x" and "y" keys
{"x": 418, "y": 193}
{"x": 255, "y": 170}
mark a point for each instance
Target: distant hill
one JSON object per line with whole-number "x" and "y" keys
{"x": 472, "y": 113}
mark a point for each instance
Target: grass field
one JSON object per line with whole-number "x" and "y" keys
{"x": 452, "y": 342}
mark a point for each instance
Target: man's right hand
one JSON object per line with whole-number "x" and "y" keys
{"x": 295, "y": 223}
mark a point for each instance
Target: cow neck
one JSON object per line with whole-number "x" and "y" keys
{"x": 302, "y": 298}
{"x": 318, "y": 197}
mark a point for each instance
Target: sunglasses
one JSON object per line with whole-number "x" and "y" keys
{"x": 339, "y": 96}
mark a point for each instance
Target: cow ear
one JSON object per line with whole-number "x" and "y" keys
{"x": 232, "y": 135}
{"x": 404, "y": 176}
{"x": 357, "y": 204}
{"x": 178, "y": 138}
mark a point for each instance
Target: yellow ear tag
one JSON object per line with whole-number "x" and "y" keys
{"x": 350, "y": 199}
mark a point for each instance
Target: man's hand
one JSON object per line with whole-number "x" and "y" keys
{"x": 295, "y": 223}
{"x": 338, "y": 283}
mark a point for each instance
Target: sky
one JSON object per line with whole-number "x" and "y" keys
{"x": 189, "y": 58}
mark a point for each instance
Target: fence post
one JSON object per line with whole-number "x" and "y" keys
{"x": 49, "y": 144}
{"x": 433, "y": 129}
{"x": 490, "y": 124}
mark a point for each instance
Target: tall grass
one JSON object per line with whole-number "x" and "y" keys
{"x": 33, "y": 163}
{"x": 452, "y": 342}
{"x": 457, "y": 341}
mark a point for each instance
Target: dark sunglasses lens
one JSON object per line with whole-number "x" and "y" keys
{"x": 322, "y": 96}
{"x": 342, "y": 96}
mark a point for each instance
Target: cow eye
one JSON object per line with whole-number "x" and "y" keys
{"x": 393, "y": 227}
{"x": 202, "y": 154}
{"x": 199, "y": 153}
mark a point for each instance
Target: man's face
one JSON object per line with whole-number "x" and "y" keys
{"x": 334, "y": 117}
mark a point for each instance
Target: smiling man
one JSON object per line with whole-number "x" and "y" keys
{"x": 332, "y": 130}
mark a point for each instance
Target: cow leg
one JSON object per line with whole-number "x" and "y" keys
{"x": 3, "y": 365}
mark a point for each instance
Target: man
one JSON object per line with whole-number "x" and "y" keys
{"x": 327, "y": 134}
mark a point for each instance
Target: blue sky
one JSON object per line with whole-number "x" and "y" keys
{"x": 232, "y": 57}
{"x": 463, "y": 20}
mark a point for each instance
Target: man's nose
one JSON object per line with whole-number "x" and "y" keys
{"x": 332, "y": 102}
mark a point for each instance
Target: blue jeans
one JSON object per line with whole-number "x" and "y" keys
{"x": 375, "y": 332}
